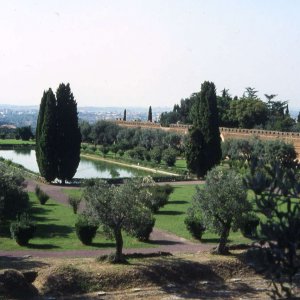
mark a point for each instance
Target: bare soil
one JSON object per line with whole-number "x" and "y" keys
{"x": 184, "y": 276}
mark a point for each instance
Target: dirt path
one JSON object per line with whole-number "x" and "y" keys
{"x": 161, "y": 240}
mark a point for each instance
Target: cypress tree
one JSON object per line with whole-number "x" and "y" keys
{"x": 124, "y": 116}
{"x": 203, "y": 149}
{"x": 46, "y": 137}
{"x": 39, "y": 128}
{"x": 68, "y": 134}
{"x": 150, "y": 114}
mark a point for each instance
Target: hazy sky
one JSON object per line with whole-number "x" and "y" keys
{"x": 147, "y": 52}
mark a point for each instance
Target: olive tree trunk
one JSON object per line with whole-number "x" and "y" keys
{"x": 222, "y": 248}
{"x": 119, "y": 245}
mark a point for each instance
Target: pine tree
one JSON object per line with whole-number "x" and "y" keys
{"x": 150, "y": 114}
{"x": 203, "y": 149}
{"x": 46, "y": 137}
{"x": 68, "y": 134}
{"x": 124, "y": 116}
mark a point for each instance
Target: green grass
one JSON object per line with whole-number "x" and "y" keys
{"x": 181, "y": 164}
{"x": 15, "y": 142}
{"x": 171, "y": 217}
{"x": 56, "y": 232}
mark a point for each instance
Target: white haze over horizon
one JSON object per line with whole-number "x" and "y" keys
{"x": 141, "y": 53}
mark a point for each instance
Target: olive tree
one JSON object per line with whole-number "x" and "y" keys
{"x": 223, "y": 203}
{"x": 277, "y": 197}
{"x": 119, "y": 208}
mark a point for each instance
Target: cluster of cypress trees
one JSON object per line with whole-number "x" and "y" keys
{"x": 203, "y": 149}
{"x": 58, "y": 135}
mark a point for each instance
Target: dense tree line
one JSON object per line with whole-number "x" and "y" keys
{"x": 138, "y": 143}
{"x": 24, "y": 133}
{"x": 247, "y": 111}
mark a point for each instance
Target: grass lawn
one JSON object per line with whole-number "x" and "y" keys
{"x": 171, "y": 217}
{"x": 56, "y": 231}
{"x": 15, "y": 142}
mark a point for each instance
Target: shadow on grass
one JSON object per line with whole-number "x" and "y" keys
{"x": 20, "y": 263}
{"x": 53, "y": 230}
{"x": 169, "y": 213}
{"x": 42, "y": 246}
{"x": 103, "y": 245}
{"x": 178, "y": 202}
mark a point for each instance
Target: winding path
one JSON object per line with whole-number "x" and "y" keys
{"x": 163, "y": 241}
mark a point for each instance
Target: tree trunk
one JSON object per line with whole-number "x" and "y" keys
{"x": 221, "y": 248}
{"x": 119, "y": 245}
{"x": 63, "y": 181}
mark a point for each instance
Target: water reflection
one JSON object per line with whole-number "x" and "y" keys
{"x": 23, "y": 151}
{"x": 86, "y": 169}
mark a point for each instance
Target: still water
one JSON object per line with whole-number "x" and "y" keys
{"x": 87, "y": 168}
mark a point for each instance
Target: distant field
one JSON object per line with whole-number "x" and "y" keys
{"x": 15, "y": 142}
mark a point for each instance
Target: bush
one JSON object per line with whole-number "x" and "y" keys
{"x": 249, "y": 225}
{"x": 194, "y": 224}
{"x": 121, "y": 152}
{"x": 160, "y": 196}
{"x": 143, "y": 232}
{"x": 74, "y": 203}
{"x": 41, "y": 195}
{"x": 169, "y": 157}
{"x": 85, "y": 230}
{"x": 13, "y": 199}
{"x": 22, "y": 230}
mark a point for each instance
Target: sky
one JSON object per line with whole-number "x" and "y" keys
{"x": 148, "y": 52}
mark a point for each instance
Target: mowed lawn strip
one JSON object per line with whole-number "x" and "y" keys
{"x": 15, "y": 142}
{"x": 56, "y": 231}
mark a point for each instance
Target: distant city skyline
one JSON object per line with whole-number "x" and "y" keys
{"x": 140, "y": 53}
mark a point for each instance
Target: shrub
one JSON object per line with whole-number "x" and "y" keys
{"x": 194, "y": 224}
{"x": 159, "y": 197}
{"x": 85, "y": 230}
{"x": 249, "y": 224}
{"x": 41, "y": 195}
{"x": 83, "y": 146}
{"x": 121, "y": 152}
{"x": 74, "y": 203}
{"x": 156, "y": 154}
{"x": 143, "y": 232}
{"x": 22, "y": 230}
{"x": 169, "y": 157}
{"x": 13, "y": 199}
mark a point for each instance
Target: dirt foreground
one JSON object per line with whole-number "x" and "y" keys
{"x": 184, "y": 276}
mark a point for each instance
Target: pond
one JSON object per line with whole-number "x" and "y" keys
{"x": 87, "y": 168}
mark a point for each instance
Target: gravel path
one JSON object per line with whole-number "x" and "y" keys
{"x": 161, "y": 240}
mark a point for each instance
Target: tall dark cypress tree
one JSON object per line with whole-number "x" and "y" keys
{"x": 203, "y": 149}
{"x": 46, "y": 137}
{"x": 124, "y": 116}
{"x": 68, "y": 134}
{"x": 150, "y": 114}
{"x": 39, "y": 128}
